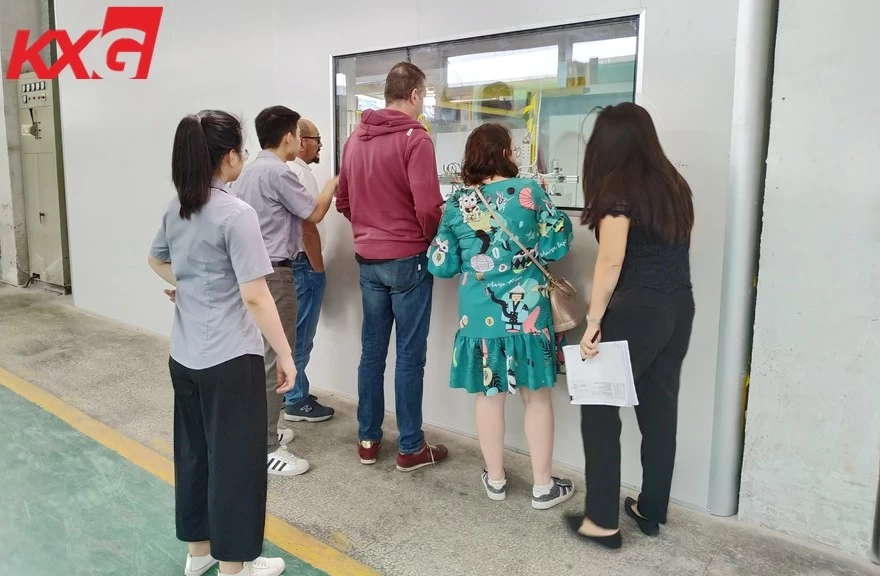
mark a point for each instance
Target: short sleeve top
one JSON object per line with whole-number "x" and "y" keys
{"x": 282, "y": 202}
{"x": 211, "y": 254}
{"x": 650, "y": 263}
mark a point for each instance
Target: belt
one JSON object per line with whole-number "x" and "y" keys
{"x": 300, "y": 257}
{"x": 282, "y": 264}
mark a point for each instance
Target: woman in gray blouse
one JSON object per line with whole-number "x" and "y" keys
{"x": 210, "y": 248}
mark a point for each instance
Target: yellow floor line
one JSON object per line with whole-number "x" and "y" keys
{"x": 291, "y": 540}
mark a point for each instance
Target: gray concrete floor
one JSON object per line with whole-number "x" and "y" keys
{"x": 432, "y": 522}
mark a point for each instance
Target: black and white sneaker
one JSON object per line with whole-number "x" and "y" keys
{"x": 285, "y": 436}
{"x": 282, "y": 463}
{"x": 560, "y": 490}
{"x": 495, "y": 490}
{"x": 308, "y": 410}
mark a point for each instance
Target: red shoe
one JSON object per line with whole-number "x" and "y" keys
{"x": 427, "y": 456}
{"x": 368, "y": 451}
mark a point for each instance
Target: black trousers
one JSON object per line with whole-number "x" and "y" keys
{"x": 220, "y": 456}
{"x": 657, "y": 326}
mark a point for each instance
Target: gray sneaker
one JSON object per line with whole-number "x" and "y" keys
{"x": 561, "y": 491}
{"x": 492, "y": 492}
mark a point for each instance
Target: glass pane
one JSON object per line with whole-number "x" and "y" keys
{"x": 544, "y": 85}
{"x": 360, "y": 85}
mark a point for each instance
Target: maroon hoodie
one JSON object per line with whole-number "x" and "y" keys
{"x": 388, "y": 186}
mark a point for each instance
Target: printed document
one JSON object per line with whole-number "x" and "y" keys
{"x": 606, "y": 379}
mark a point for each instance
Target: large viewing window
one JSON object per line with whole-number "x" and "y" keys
{"x": 545, "y": 85}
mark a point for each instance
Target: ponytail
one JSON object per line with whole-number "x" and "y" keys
{"x": 201, "y": 142}
{"x": 191, "y": 166}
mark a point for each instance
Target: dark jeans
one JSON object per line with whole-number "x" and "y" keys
{"x": 219, "y": 462}
{"x": 657, "y": 326}
{"x": 309, "y": 297}
{"x": 395, "y": 293}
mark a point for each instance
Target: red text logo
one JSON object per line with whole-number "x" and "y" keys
{"x": 128, "y": 37}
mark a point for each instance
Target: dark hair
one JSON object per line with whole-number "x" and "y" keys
{"x": 484, "y": 155}
{"x": 402, "y": 80}
{"x": 200, "y": 143}
{"x": 273, "y": 124}
{"x": 626, "y": 171}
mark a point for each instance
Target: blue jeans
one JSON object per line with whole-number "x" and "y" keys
{"x": 309, "y": 296}
{"x": 394, "y": 293}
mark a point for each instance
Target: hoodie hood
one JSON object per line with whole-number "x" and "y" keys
{"x": 382, "y": 122}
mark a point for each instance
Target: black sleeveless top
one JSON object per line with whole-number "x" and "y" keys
{"x": 648, "y": 263}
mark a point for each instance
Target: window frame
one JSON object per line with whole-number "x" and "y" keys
{"x": 636, "y": 18}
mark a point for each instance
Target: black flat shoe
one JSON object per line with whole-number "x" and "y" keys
{"x": 574, "y": 523}
{"x": 648, "y": 527}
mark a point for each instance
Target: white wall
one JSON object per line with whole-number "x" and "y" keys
{"x": 14, "y": 262}
{"x": 244, "y": 56}
{"x": 813, "y": 424}
{"x": 12, "y": 233}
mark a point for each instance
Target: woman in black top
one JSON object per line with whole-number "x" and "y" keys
{"x": 642, "y": 213}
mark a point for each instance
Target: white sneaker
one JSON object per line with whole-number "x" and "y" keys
{"x": 283, "y": 463}
{"x": 198, "y": 565}
{"x": 285, "y": 436}
{"x": 261, "y": 567}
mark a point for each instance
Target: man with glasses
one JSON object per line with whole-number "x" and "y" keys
{"x": 308, "y": 273}
{"x": 282, "y": 204}
{"x": 389, "y": 190}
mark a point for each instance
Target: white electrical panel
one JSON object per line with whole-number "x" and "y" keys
{"x": 43, "y": 181}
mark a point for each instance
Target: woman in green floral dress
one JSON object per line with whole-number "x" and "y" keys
{"x": 505, "y": 343}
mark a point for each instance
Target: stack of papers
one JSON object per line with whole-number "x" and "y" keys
{"x": 606, "y": 379}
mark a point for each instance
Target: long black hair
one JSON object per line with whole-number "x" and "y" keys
{"x": 201, "y": 142}
{"x": 625, "y": 166}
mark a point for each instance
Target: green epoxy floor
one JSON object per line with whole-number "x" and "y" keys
{"x": 70, "y": 506}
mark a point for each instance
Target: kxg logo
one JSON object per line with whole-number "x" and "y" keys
{"x": 124, "y": 44}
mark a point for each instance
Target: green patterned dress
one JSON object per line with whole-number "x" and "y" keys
{"x": 505, "y": 338}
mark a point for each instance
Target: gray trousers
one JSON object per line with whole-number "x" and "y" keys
{"x": 283, "y": 290}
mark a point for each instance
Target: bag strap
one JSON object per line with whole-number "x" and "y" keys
{"x": 513, "y": 237}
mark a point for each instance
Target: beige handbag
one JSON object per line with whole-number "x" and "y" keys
{"x": 568, "y": 310}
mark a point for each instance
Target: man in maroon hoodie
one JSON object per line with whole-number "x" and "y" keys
{"x": 388, "y": 189}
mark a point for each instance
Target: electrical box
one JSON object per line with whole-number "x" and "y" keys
{"x": 43, "y": 179}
